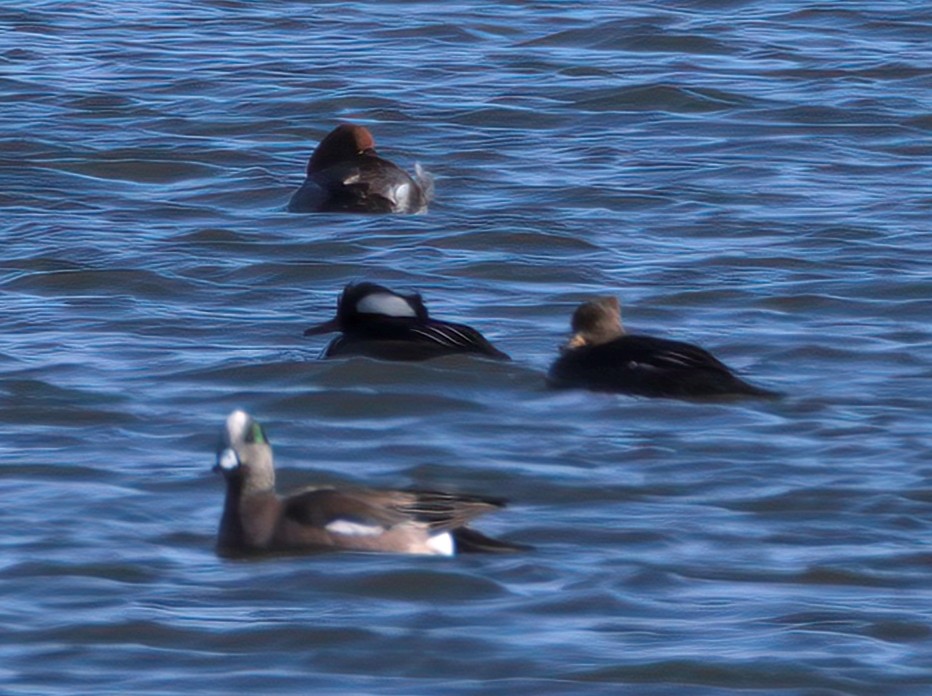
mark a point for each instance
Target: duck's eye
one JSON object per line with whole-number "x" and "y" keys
{"x": 256, "y": 435}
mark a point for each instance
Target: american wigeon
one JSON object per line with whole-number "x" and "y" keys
{"x": 602, "y": 357}
{"x": 379, "y": 323}
{"x": 257, "y": 520}
{"x": 345, "y": 174}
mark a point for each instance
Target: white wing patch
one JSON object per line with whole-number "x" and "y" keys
{"x": 348, "y": 528}
{"x": 441, "y": 544}
{"x": 385, "y": 304}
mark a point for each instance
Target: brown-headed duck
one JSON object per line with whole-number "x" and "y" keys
{"x": 345, "y": 174}
{"x": 602, "y": 357}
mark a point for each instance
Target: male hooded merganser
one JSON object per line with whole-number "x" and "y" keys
{"x": 602, "y": 357}
{"x": 379, "y": 323}
{"x": 345, "y": 174}
{"x": 256, "y": 519}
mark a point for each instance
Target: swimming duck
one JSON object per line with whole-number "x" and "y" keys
{"x": 380, "y": 323}
{"x": 256, "y": 519}
{"x": 602, "y": 357}
{"x": 345, "y": 174}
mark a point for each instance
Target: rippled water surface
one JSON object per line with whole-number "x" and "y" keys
{"x": 753, "y": 177}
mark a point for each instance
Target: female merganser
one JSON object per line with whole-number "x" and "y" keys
{"x": 345, "y": 174}
{"x": 602, "y": 357}
{"x": 257, "y": 520}
{"x": 379, "y": 323}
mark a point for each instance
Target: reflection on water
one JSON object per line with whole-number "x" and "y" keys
{"x": 747, "y": 177}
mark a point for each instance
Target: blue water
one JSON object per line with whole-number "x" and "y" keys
{"x": 753, "y": 177}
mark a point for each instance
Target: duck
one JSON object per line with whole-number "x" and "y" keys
{"x": 600, "y": 356}
{"x": 346, "y": 174}
{"x": 377, "y": 322}
{"x": 257, "y": 520}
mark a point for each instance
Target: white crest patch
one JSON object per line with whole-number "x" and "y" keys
{"x": 442, "y": 544}
{"x": 385, "y": 304}
{"x": 347, "y": 528}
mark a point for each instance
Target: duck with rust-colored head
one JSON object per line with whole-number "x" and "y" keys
{"x": 379, "y": 323}
{"x": 346, "y": 174}
{"x": 600, "y": 356}
{"x": 257, "y": 520}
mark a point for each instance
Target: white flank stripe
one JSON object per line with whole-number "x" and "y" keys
{"x": 433, "y": 335}
{"x": 466, "y": 338}
{"x": 677, "y": 358}
{"x": 446, "y": 335}
{"x": 347, "y": 528}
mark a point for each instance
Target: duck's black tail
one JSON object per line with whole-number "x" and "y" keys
{"x": 468, "y": 540}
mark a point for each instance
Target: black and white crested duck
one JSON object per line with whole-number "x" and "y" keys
{"x": 379, "y": 323}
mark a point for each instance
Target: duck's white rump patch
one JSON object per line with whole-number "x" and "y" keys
{"x": 347, "y": 528}
{"x": 386, "y": 304}
{"x": 442, "y": 544}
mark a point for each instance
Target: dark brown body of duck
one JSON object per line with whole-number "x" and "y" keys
{"x": 602, "y": 357}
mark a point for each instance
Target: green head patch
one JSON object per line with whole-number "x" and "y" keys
{"x": 256, "y": 435}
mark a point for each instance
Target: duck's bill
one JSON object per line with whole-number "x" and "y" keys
{"x": 326, "y": 327}
{"x": 576, "y": 341}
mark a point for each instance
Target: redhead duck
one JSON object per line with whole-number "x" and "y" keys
{"x": 257, "y": 520}
{"x": 602, "y": 357}
{"x": 380, "y": 323}
{"x": 345, "y": 174}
